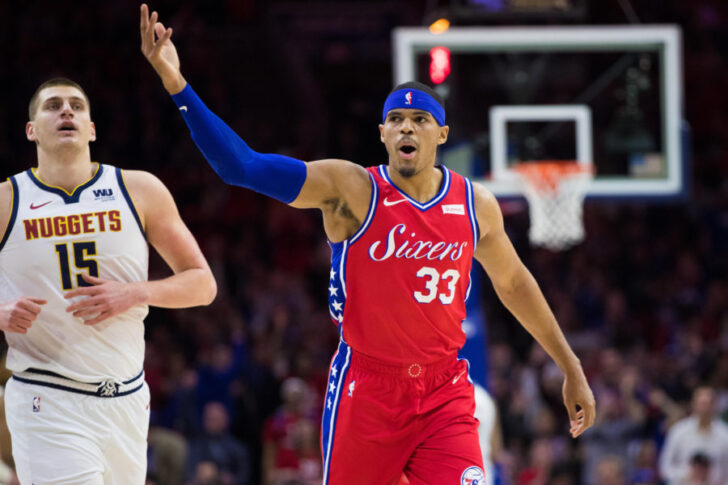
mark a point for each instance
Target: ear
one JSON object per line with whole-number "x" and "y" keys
{"x": 381, "y": 131}
{"x": 30, "y": 131}
{"x": 442, "y": 137}
{"x": 92, "y": 134}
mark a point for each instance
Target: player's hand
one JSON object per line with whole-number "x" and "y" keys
{"x": 105, "y": 299}
{"x": 18, "y": 316}
{"x": 577, "y": 393}
{"x": 159, "y": 50}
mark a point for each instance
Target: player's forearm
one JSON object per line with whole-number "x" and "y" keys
{"x": 232, "y": 159}
{"x": 188, "y": 288}
{"x": 526, "y": 302}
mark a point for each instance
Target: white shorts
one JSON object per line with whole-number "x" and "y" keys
{"x": 61, "y": 437}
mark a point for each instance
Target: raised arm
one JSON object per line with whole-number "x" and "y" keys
{"x": 192, "y": 283}
{"x": 520, "y": 293}
{"x": 330, "y": 185}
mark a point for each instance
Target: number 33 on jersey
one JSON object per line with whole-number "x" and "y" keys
{"x": 413, "y": 259}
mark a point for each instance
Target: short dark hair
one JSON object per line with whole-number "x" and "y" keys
{"x": 421, "y": 87}
{"x": 56, "y": 81}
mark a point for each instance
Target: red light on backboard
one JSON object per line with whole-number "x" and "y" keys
{"x": 439, "y": 64}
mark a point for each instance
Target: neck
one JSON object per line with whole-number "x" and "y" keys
{"x": 421, "y": 186}
{"x": 66, "y": 169}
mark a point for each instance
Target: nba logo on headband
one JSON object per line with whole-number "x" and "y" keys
{"x": 414, "y": 99}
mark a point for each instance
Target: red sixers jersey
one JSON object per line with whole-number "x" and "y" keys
{"x": 398, "y": 286}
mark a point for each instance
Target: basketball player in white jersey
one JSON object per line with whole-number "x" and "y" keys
{"x": 74, "y": 294}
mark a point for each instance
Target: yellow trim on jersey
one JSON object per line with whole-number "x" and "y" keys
{"x": 33, "y": 169}
{"x": 131, "y": 199}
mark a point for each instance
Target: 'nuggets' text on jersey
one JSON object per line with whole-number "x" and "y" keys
{"x": 72, "y": 225}
{"x": 56, "y": 237}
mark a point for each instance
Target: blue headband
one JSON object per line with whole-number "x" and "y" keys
{"x": 414, "y": 99}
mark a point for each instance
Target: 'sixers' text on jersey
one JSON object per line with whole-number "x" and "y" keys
{"x": 52, "y": 238}
{"x": 398, "y": 286}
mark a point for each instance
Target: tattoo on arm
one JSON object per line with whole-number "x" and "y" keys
{"x": 340, "y": 209}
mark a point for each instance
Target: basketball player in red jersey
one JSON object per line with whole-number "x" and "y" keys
{"x": 403, "y": 237}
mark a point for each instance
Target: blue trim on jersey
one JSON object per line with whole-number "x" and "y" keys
{"x": 471, "y": 212}
{"x": 337, "y": 252}
{"x": 342, "y": 268}
{"x": 122, "y": 186}
{"x": 370, "y": 213}
{"x": 73, "y": 197}
{"x": 13, "y": 211}
{"x": 423, "y": 207}
{"x": 342, "y": 360}
{"x": 338, "y": 260}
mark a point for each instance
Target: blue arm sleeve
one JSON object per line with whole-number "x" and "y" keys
{"x": 234, "y": 161}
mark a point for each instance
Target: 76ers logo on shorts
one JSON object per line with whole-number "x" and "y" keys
{"x": 472, "y": 475}
{"x": 36, "y": 404}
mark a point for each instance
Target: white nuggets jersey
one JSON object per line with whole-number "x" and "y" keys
{"x": 52, "y": 238}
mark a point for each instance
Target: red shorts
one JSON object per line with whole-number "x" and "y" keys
{"x": 381, "y": 421}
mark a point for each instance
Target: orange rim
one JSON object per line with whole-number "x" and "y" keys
{"x": 545, "y": 175}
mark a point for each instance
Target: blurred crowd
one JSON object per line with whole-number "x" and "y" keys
{"x": 237, "y": 386}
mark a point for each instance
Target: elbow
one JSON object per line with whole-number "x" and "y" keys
{"x": 211, "y": 290}
{"x": 208, "y": 289}
{"x": 514, "y": 284}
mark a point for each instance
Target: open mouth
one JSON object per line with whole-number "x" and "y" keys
{"x": 67, "y": 126}
{"x": 407, "y": 149}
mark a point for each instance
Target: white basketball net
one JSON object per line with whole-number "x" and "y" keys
{"x": 555, "y": 192}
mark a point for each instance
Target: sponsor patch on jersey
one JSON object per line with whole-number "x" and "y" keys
{"x": 104, "y": 194}
{"x": 473, "y": 475}
{"x": 453, "y": 209}
{"x": 36, "y": 404}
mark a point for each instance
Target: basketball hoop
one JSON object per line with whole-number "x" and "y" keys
{"x": 555, "y": 192}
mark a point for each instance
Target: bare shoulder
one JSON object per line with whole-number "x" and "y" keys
{"x": 145, "y": 188}
{"x": 487, "y": 209}
{"x": 150, "y": 196}
{"x": 139, "y": 180}
{"x": 6, "y": 200}
{"x": 338, "y": 165}
{"x": 333, "y": 179}
{"x": 6, "y": 193}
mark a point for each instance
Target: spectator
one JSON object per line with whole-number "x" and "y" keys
{"x": 701, "y": 433}
{"x": 289, "y": 439}
{"x": 610, "y": 436}
{"x": 217, "y": 450}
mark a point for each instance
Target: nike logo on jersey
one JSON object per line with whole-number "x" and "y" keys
{"x": 183, "y": 108}
{"x": 388, "y": 203}
{"x": 33, "y": 206}
{"x": 457, "y": 377}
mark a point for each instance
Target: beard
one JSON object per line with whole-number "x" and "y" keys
{"x": 406, "y": 172}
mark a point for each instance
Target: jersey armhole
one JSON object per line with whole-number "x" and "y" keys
{"x": 13, "y": 211}
{"x": 132, "y": 207}
{"x": 471, "y": 212}
{"x": 370, "y": 213}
